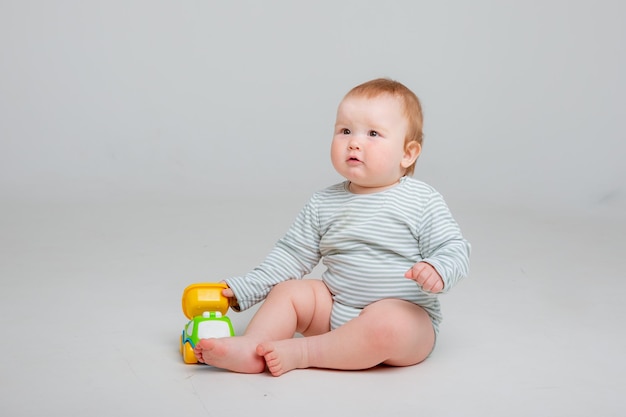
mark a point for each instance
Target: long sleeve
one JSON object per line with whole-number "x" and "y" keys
{"x": 441, "y": 242}
{"x": 293, "y": 256}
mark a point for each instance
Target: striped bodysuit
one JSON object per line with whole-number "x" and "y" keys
{"x": 367, "y": 242}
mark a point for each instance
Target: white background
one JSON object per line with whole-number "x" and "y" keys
{"x": 201, "y": 99}
{"x": 147, "y": 145}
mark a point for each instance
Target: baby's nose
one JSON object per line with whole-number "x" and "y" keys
{"x": 354, "y": 145}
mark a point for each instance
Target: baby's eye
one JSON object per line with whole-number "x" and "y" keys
{"x": 373, "y": 133}
{"x": 345, "y": 131}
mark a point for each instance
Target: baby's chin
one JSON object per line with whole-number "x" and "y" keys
{"x": 358, "y": 187}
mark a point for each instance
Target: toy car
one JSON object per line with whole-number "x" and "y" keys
{"x": 205, "y": 307}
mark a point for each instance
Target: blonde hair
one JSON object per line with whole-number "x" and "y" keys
{"x": 410, "y": 102}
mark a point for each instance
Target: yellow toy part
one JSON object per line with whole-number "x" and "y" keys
{"x": 206, "y": 296}
{"x": 205, "y": 307}
{"x": 187, "y": 351}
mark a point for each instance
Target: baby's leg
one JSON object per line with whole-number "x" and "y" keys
{"x": 293, "y": 306}
{"x": 389, "y": 331}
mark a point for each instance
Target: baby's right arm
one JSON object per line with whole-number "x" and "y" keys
{"x": 293, "y": 256}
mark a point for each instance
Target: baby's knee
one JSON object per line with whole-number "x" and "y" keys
{"x": 401, "y": 328}
{"x": 285, "y": 287}
{"x": 392, "y": 320}
{"x": 383, "y": 330}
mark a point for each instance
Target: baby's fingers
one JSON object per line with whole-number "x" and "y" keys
{"x": 432, "y": 283}
{"x": 232, "y": 300}
{"x": 228, "y": 293}
{"x": 426, "y": 277}
{"x": 416, "y": 272}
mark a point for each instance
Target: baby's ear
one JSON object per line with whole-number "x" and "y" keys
{"x": 411, "y": 151}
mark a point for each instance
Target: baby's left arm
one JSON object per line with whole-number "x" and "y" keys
{"x": 445, "y": 253}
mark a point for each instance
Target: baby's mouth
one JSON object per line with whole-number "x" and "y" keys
{"x": 354, "y": 161}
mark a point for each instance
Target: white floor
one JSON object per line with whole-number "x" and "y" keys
{"x": 90, "y": 318}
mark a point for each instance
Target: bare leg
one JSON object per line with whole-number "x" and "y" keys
{"x": 389, "y": 331}
{"x": 301, "y": 306}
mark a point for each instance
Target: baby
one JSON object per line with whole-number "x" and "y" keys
{"x": 388, "y": 241}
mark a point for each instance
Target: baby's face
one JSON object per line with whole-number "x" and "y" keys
{"x": 368, "y": 144}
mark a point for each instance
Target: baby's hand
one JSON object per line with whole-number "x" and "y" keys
{"x": 228, "y": 293}
{"x": 426, "y": 277}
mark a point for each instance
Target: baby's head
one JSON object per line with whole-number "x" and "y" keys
{"x": 410, "y": 103}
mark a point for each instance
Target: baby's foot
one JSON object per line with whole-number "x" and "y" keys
{"x": 236, "y": 354}
{"x": 284, "y": 355}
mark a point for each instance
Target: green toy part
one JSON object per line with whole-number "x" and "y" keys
{"x": 205, "y": 306}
